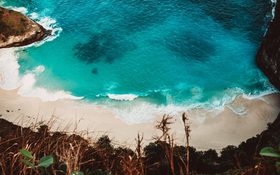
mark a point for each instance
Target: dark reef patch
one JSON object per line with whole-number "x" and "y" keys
{"x": 94, "y": 71}
{"x": 104, "y": 46}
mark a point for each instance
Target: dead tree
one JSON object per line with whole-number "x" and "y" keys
{"x": 187, "y": 133}
{"x": 166, "y": 141}
{"x": 139, "y": 141}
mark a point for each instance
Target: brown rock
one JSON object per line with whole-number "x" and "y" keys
{"x": 19, "y": 30}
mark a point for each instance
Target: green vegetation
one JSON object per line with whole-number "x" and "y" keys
{"x": 272, "y": 153}
{"x": 28, "y": 160}
{"x": 47, "y": 152}
{"x": 36, "y": 165}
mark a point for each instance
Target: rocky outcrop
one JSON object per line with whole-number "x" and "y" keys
{"x": 18, "y": 30}
{"x": 268, "y": 56}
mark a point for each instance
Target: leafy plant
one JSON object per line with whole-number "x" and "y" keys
{"x": 26, "y": 153}
{"x": 77, "y": 173}
{"x": 273, "y": 153}
{"x": 270, "y": 152}
{"x": 46, "y": 161}
{"x": 28, "y": 160}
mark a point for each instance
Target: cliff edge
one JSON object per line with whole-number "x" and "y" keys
{"x": 268, "y": 56}
{"x": 19, "y": 30}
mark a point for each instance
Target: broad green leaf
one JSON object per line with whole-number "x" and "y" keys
{"x": 46, "y": 161}
{"x": 27, "y": 163}
{"x": 77, "y": 173}
{"x": 26, "y": 153}
{"x": 277, "y": 164}
{"x": 269, "y": 152}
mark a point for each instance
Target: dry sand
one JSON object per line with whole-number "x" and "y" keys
{"x": 210, "y": 129}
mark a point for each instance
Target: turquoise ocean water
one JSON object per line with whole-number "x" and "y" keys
{"x": 166, "y": 52}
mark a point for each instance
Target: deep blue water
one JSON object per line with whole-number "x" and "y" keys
{"x": 165, "y": 51}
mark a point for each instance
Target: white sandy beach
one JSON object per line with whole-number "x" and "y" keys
{"x": 209, "y": 129}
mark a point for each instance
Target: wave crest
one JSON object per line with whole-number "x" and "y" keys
{"x": 11, "y": 79}
{"x": 122, "y": 97}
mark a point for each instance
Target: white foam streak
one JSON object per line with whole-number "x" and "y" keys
{"x": 49, "y": 24}
{"x": 142, "y": 111}
{"x": 9, "y": 69}
{"x": 28, "y": 89}
{"x": 145, "y": 112}
{"x": 39, "y": 69}
{"x": 122, "y": 97}
{"x": 22, "y": 10}
{"x": 273, "y": 9}
{"x": 11, "y": 79}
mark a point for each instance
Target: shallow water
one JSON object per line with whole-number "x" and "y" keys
{"x": 179, "y": 52}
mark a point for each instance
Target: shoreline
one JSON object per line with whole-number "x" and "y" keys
{"x": 210, "y": 129}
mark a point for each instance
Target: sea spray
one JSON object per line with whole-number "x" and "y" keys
{"x": 11, "y": 79}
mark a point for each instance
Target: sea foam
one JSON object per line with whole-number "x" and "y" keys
{"x": 122, "y": 97}
{"x": 143, "y": 112}
{"x": 140, "y": 111}
{"x": 273, "y": 9}
{"x": 11, "y": 79}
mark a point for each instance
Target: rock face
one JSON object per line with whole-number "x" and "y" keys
{"x": 268, "y": 56}
{"x": 18, "y": 30}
